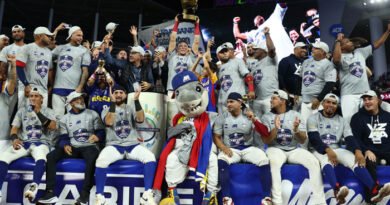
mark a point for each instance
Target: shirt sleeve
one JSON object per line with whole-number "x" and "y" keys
{"x": 218, "y": 125}
{"x": 22, "y": 55}
{"x": 347, "y": 131}
{"x": 242, "y": 67}
{"x": 3, "y": 55}
{"x": 18, "y": 119}
{"x": 56, "y": 51}
{"x": 365, "y": 51}
{"x": 62, "y": 125}
{"x": 312, "y": 124}
{"x": 86, "y": 60}
{"x": 267, "y": 122}
{"x": 330, "y": 73}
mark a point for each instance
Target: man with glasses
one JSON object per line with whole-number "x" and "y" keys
{"x": 34, "y": 66}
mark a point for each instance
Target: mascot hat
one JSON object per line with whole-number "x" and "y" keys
{"x": 183, "y": 78}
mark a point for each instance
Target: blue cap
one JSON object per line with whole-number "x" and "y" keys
{"x": 183, "y": 78}
{"x": 234, "y": 96}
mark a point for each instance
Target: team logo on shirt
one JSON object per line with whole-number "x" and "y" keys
{"x": 236, "y": 139}
{"x": 258, "y": 76}
{"x": 329, "y": 139}
{"x": 356, "y": 69}
{"x": 81, "y": 135}
{"x": 180, "y": 67}
{"x": 226, "y": 82}
{"x": 284, "y": 137}
{"x": 34, "y": 132}
{"x": 308, "y": 78}
{"x": 65, "y": 62}
{"x": 377, "y": 132}
{"x": 42, "y": 68}
{"x": 122, "y": 129}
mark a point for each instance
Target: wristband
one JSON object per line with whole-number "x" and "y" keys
{"x": 138, "y": 106}
{"x": 112, "y": 107}
{"x": 197, "y": 29}
{"x": 175, "y": 26}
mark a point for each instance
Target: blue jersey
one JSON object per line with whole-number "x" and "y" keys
{"x": 99, "y": 99}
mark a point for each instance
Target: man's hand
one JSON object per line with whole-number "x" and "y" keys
{"x": 93, "y": 139}
{"x": 11, "y": 59}
{"x": 27, "y": 90}
{"x": 68, "y": 149}
{"x": 359, "y": 158}
{"x": 266, "y": 30}
{"x": 250, "y": 115}
{"x": 370, "y": 155}
{"x": 145, "y": 85}
{"x": 251, "y": 95}
{"x": 277, "y": 122}
{"x": 340, "y": 36}
{"x": 133, "y": 30}
{"x": 60, "y": 27}
{"x": 177, "y": 18}
{"x": 111, "y": 95}
{"x": 136, "y": 94}
{"x": 296, "y": 124}
{"x": 210, "y": 43}
{"x": 331, "y": 156}
{"x": 236, "y": 19}
{"x": 17, "y": 144}
{"x": 227, "y": 151}
{"x": 315, "y": 103}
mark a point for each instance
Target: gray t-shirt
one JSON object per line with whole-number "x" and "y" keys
{"x": 38, "y": 62}
{"x": 314, "y": 76}
{"x": 123, "y": 132}
{"x": 265, "y": 74}
{"x": 4, "y": 106}
{"x": 353, "y": 74}
{"x": 31, "y": 127}
{"x": 236, "y": 132}
{"x": 70, "y": 60}
{"x": 285, "y": 138}
{"x": 250, "y": 63}
{"x": 177, "y": 64}
{"x": 12, "y": 49}
{"x": 331, "y": 130}
{"x": 231, "y": 76}
{"x": 80, "y": 127}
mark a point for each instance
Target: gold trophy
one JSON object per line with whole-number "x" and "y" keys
{"x": 102, "y": 71}
{"x": 189, "y": 10}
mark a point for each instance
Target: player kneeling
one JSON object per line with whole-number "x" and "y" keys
{"x": 34, "y": 122}
{"x": 121, "y": 142}
{"x": 325, "y": 130}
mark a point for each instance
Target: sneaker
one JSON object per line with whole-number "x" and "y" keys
{"x": 209, "y": 198}
{"x": 100, "y": 200}
{"x": 31, "y": 192}
{"x": 341, "y": 193}
{"x": 266, "y": 201}
{"x": 227, "y": 201}
{"x": 48, "y": 198}
{"x": 384, "y": 190}
{"x": 148, "y": 198}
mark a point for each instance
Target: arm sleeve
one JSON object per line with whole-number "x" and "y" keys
{"x": 218, "y": 125}
{"x": 327, "y": 89}
{"x": 64, "y": 140}
{"x": 316, "y": 142}
{"x": 86, "y": 60}
{"x": 365, "y": 51}
{"x": 17, "y": 122}
{"x": 358, "y": 132}
{"x": 261, "y": 128}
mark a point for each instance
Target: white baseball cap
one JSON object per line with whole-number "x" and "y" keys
{"x": 72, "y": 30}
{"x": 138, "y": 49}
{"x": 160, "y": 49}
{"x": 228, "y": 45}
{"x": 299, "y": 45}
{"x": 42, "y": 30}
{"x": 111, "y": 26}
{"x": 96, "y": 44}
{"x": 321, "y": 45}
{"x": 370, "y": 93}
{"x": 17, "y": 27}
{"x": 332, "y": 96}
{"x": 3, "y": 36}
{"x": 149, "y": 52}
{"x": 36, "y": 90}
{"x": 73, "y": 95}
{"x": 281, "y": 93}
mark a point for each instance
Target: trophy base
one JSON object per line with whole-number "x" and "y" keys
{"x": 189, "y": 17}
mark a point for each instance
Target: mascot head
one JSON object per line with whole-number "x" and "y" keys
{"x": 191, "y": 98}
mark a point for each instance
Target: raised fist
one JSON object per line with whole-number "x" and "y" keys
{"x": 236, "y": 19}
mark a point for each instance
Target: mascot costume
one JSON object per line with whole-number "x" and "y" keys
{"x": 189, "y": 143}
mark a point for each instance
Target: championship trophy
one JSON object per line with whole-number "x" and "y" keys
{"x": 189, "y": 10}
{"x": 100, "y": 70}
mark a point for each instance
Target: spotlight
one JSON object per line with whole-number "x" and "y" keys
{"x": 372, "y": 1}
{"x": 364, "y": 3}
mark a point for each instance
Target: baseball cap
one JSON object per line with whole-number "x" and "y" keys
{"x": 160, "y": 49}
{"x": 3, "y": 36}
{"x": 370, "y": 93}
{"x": 236, "y": 96}
{"x": 321, "y": 45}
{"x": 148, "y": 52}
{"x": 261, "y": 45}
{"x": 138, "y": 49}
{"x": 183, "y": 78}
{"x": 226, "y": 45}
{"x": 118, "y": 87}
{"x": 332, "y": 97}
{"x": 96, "y": 44}
{"x": 73, "y": 95}
{"x": 72, "y": 30}
{"x": 42, "y": 30}
{"x": 299, "y": 45}
{"x": 281, "y": 93}
{"x": 17, "y": 27}
{"x": 111, "y": 26}
{"x": 36, "y": 90}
